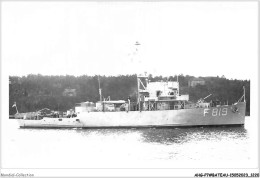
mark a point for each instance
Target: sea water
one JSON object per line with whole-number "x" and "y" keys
{"x": 129, "y": 148}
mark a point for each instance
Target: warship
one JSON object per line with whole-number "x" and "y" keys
{"x": 159, "y": 104}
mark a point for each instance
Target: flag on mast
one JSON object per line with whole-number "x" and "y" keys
{"x": 14, "y": 105}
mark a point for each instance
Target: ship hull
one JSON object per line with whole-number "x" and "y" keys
{"x": 213, "y": 116}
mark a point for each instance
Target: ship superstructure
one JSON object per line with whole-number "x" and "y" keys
{"x": 159, "y": 95}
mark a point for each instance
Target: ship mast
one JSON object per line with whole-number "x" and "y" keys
{"x": 138, "y": 85}
{"x": 244, "y": 93}
{"x": 138, "y": 97}
{"x": 99, "y": 89}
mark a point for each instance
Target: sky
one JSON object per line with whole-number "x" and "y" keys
{"x": 88, "y": 38}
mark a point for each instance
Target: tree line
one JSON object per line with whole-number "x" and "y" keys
{"x": 35, "y": 92}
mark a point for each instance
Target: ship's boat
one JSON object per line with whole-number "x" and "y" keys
{"x": 159, "y": 104}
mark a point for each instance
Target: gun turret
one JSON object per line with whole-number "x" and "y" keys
{"x": 202, "y": 100}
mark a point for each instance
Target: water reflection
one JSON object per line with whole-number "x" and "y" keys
{"x": 162, "y": 135}
{"x": 182, "y": 135}
{"x": 172, "y": 135}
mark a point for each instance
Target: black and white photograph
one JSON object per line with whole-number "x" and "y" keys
{"x": 129, "y": 88}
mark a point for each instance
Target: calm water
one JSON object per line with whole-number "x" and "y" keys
{"x": 88, "y": 148}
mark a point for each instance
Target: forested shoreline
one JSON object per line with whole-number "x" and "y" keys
{"x": 60, "y": 93}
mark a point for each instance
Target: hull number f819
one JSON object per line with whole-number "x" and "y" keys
{"x": 216, "y": 112}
